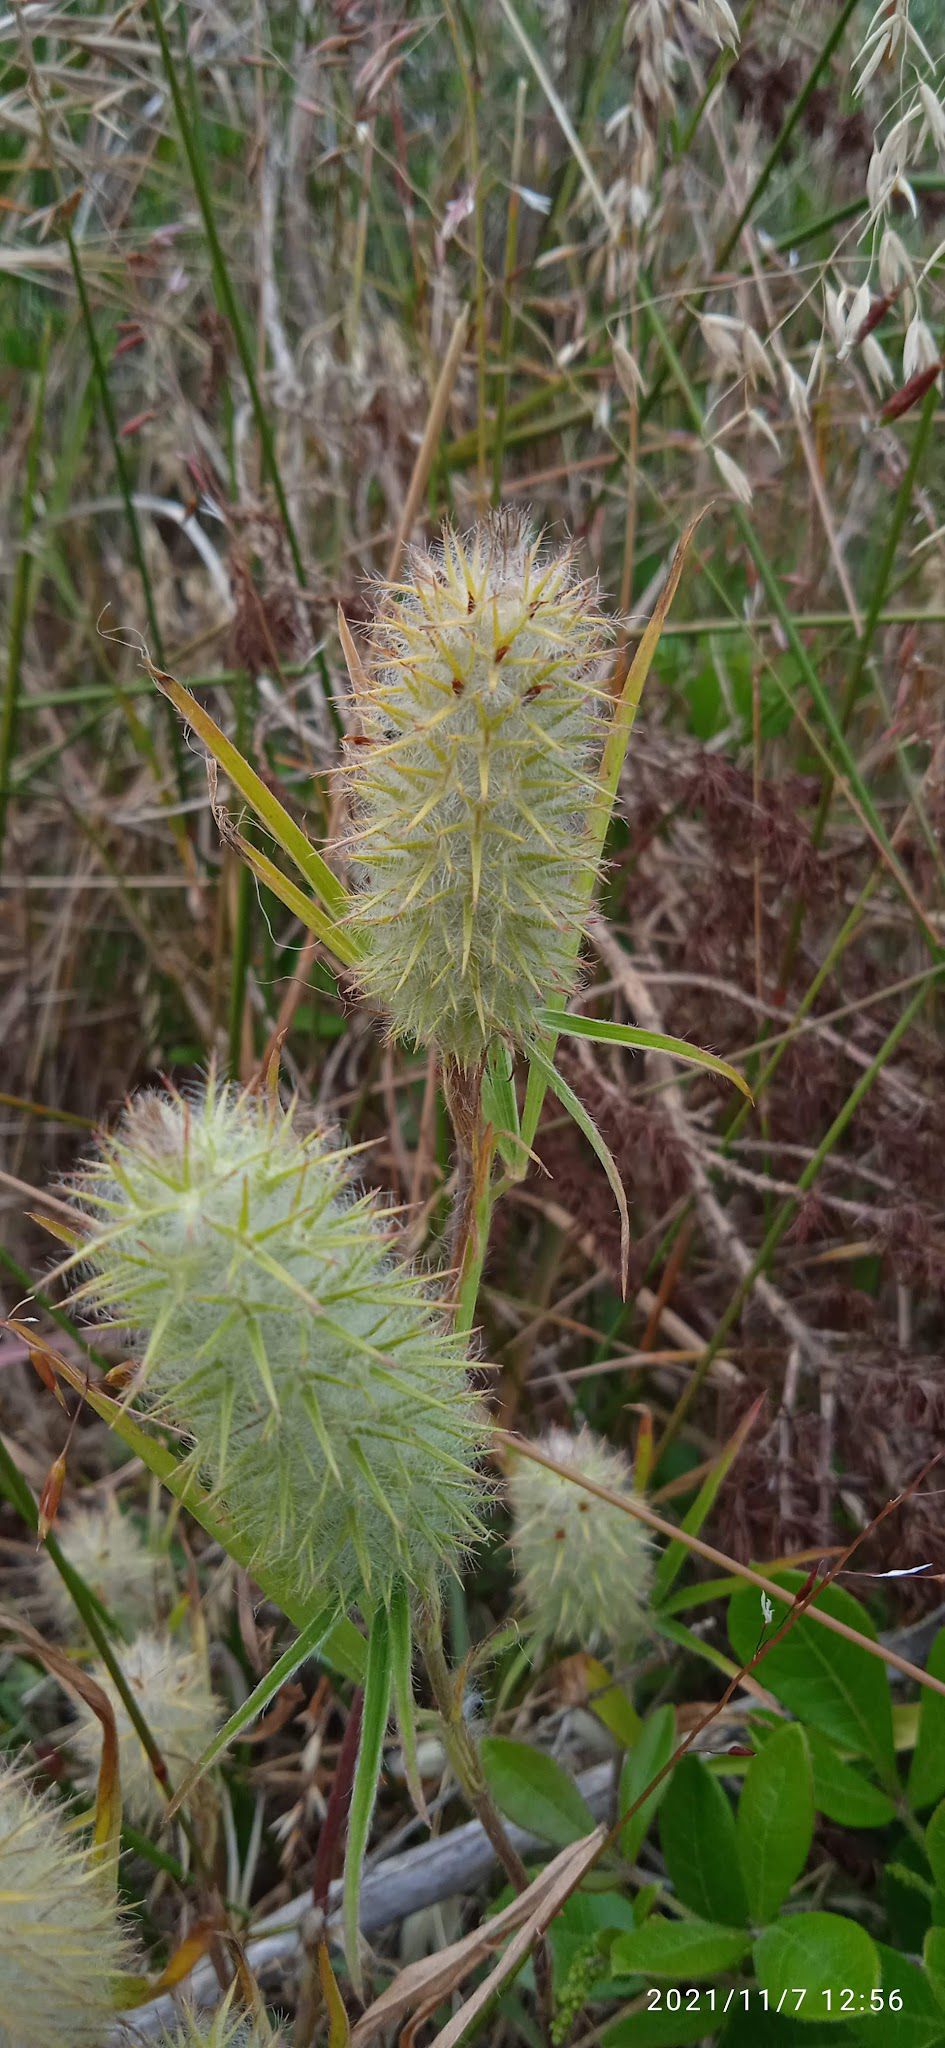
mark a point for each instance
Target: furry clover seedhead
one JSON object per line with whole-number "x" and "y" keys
{"x": 61, "y": 1940}
{"x": 471, "y": 784}
{"x": 328, "y": 1405}
{"x": 583, "y": 1567}
{"x": 220, "y": 2030}
{"x": 105, "y": 1548}
{"x": 171, "y": 1687}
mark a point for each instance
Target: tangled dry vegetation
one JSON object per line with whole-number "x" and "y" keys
{"x": 284, "y": 288}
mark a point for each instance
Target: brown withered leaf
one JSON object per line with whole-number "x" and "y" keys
{"x": 424, "y": 1985}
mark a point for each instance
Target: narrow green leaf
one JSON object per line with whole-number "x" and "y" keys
{"x": 585, "y": 1123}
{"x": 267, "y": 807}
{"x": 935, "y": 1845}
{"x": 821, "y": 1677}
{"x": 339, "y": 2032}
{"x": 926, "y": 1781}
{"x": 401, "y": 1650}
{"x": 377, "y": 1690}
{"x": 648, "y": 1756}
{"x": 818, "y": 1955}
{"x": 774, "y": 1824}
{"x": 675, "y": 1554}
{"x": 604, "y": 1032}
{"x": 295, "y": 899}
{"x": 534, "y": 1791}
{"x": 305, "y": 1645}
{"x": 500, "y": 1106}
{"x": 681, "y": 1949}
{"x": 841, "y": 1792}
{"x": 697, "y": 1833}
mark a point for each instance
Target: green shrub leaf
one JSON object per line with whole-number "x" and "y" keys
{"x": 821, "y": 1955}
{"x": 534, "y": 1791}
{"x": 926, "y": 1781}
{"x": 822, "y": 1678}
{"x": 678, "y": 1948}
{"x": 654, "y": 1748}
{"x": 775, "y": 1820}
{"x": 697, "y": 1832}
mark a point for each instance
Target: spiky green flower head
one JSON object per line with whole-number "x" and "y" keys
{"x": 171, "y": 1686}
{"x": 61, "y": 1939}
{"x": 471, "y": 786}
{"x": 328, "y": 1406}
{"x": 221, "y": 2029}
{"x": 105, "y": 1547}
{"x": 583, "y": 1567}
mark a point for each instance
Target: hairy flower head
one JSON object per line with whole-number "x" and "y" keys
{"x": 471, "y": 786}
{"x": 61, "y": 1940}
{"x": 221, "y": 2029}
{"x": 171, "y": 1686}
{"x": 583, "y": 1567}
{"x": 105, "y": 1548}
{"x": 328, "y": 1406}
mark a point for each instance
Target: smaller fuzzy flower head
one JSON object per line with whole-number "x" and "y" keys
{"x": 105, "y": 1548}
{"x": 583, "y": 1567}
{"x": 471, "y": 785}
{"x": 183, "y": 1714}
{"x": 221, "y": 2029}
{"x": 61, "y": 1941}
{"x": 328, "y": 1405}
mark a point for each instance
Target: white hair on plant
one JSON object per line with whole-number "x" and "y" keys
{"x": 62, "y": 1942}
{"x": 106, "y": 1549}
{"x": 171, "y": 1686}
{"x": 221, "y": 2029}
{"x": 327, "y": 1403}
{"x": 472, "y": 784}
{"x": 583, "y": 1566}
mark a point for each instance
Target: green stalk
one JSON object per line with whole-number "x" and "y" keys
{"x": 19, "y": 613}
{"x": 20, "y": 1496}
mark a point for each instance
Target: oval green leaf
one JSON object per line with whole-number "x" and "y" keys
{"x": 534, "y": 1791}
{"x": 775, "y": 1820}
{"x": 697, "y": 1832}
{"x": 681, "y": 1949}
{"x": 822, "y": 1678}
{"x": 818, "y": 1955}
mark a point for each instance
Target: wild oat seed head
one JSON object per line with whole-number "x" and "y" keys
{"x": 583, "y": 1567}
{"x": 105, "y": 1548}
{"x": 328, "y": 1405}
{"x": 482, "y": 722}
{"x": 171, "y": 1686}
{"x": 61, "y": 1940}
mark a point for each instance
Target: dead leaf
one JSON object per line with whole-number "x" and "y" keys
{"x": 428, "y": 1982}
{"x": 562, "y": 1877}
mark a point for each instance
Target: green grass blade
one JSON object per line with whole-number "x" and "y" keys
{"x": 401, "y": 1643}
{"x": 500, "y": 1107}
{"x": 585, "y": 1123}
{"x": 377, "y": 1691}
{"x": 267, "y": 807}
{"x": 675, "y": 1554}
{"x": 305, "y": 1645}
{"x": 295, "y": 899}
{"x": 604, "y": 1032}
